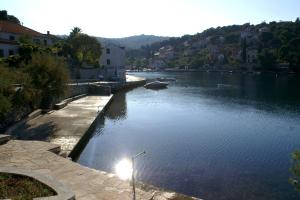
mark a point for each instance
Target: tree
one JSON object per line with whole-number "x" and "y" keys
{"x": 75, "y": 31}
{"x": 5, "y": 17}
{"x": 82, "y": 48}
{"x": 295, "y": 180}
{"x": 267, "y": 58}
{"x": 291, "y": 53}
{"x": 266, "y": 37}
{"x": 294, "y": 54}
{"x": 244, "y": 50}
{"x": 6, "y": 90}
{"x": 15, "y": 89}
{"x": 232, "y": 38}
{"x": 49, "y": 75}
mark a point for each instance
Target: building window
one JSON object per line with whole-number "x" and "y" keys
{"x": 45, "y": 42}
{"x": 108, "y": 61}
{"x": 11, "y": 37}
{"x": 11, "y": 52}
{"x": 1, "y": 53}
{"x": 107, "y": 51}
{"x": 36, "y": 41}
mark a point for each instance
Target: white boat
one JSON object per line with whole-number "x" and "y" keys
{"x": 156, "y": 85}
{"x": 166, "y": 79}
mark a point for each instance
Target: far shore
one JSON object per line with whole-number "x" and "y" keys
{"x": 219, "y": 70}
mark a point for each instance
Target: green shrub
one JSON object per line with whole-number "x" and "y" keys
{"x": 296, "y": 170}
{"x": 49, "y": 76}
{"x": 6, "y": 91}
{"x": 16, "y": 90}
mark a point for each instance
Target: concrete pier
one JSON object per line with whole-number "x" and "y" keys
{"x": 66, "y": 126}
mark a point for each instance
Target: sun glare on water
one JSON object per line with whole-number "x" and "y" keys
{"x": 124, "y": 169}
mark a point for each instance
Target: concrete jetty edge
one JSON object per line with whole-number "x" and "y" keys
{"x": 78, "y": 148}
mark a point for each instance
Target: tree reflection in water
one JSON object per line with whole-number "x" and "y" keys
{"x": 118, "y": 108}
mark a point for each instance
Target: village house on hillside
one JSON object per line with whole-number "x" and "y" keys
{"x": 10, "y": 34}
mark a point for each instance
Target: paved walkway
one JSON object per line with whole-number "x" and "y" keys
{"x": 86, "y": 183}
{"x": 65, "y": 126}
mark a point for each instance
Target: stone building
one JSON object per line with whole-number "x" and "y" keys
{"x": 113, "y": 62}
{"x": 10, "y": 34}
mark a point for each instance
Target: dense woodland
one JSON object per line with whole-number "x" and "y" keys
{"x": 270, "y": 44}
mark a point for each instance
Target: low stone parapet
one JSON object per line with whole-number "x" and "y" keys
{"x": 62, "y": 192}
{"x": 98, "y": 89}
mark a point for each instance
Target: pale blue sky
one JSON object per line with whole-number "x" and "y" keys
{"x": 119, "y": 18}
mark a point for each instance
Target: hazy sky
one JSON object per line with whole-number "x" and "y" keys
{"x": 119, "y": 18}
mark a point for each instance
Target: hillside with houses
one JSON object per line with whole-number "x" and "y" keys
{"x": 266, "y": 46}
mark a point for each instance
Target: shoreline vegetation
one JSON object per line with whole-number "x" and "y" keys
{"x": 218, "y": 70}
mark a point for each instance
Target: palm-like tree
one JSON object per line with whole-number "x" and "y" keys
{"x": 75, "y": 31}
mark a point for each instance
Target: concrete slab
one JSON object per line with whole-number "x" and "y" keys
{"x": 86, "y": 183}
{"x": 66, "y": 126}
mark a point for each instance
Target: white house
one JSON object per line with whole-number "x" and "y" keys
{"x": 252, "y": 56}
{"x": 10, "y": 34}
{"x": 113, "y": 61}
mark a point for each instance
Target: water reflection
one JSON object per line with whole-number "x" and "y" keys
{"x": 124, "y": 169}
{"x": 214, "y": 143}
{"x": 256, "y": 90}
{"x": 118, "y": 111}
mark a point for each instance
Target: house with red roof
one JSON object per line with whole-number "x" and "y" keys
{"x": 10, "y": 33}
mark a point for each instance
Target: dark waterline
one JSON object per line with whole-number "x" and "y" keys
{"x": 211, "y": 135}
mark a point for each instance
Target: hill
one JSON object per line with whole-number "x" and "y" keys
{"x": 265, "y": 46}
{"x": 134, "y": 42}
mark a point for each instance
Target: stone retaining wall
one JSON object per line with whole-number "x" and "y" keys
{"x": 75, "y": 90}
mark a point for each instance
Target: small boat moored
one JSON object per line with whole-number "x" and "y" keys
{"x": 156, "y": 85}
{"x": 166, "y": 79}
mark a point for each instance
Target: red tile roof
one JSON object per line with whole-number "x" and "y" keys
{"x": 10, "y": 27}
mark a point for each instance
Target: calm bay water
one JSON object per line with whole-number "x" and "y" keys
{"x": 216, "y": 142}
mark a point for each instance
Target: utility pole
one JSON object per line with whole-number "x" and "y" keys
{"x": 133, "y": 179}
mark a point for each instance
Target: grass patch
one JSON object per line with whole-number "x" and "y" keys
{"x": 19, "y": 187}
